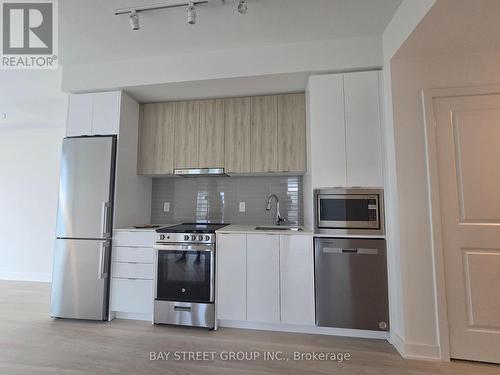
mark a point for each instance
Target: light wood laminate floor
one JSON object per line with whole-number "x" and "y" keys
{"x": 32, "y": 343}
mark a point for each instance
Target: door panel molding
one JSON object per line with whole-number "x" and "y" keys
{"x": 428, "y": 96}
{"x": 476, "y": 278}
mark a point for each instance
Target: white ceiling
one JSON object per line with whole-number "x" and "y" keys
{"x": 454, "y": 27}
{"x": 90, "y": 33}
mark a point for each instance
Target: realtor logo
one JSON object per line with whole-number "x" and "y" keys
{"x": 29, "y": 34}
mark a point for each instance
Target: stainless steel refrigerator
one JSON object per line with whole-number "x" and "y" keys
{"x": 80, "y": 275}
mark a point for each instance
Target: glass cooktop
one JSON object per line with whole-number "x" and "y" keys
{"x": 193, "y": 228}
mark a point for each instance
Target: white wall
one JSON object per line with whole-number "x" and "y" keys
{"x": 335, "y": 55}
{"x": 29, "y": 176}
{"x": 30, "y": 143}
{"x": 407, "y": 17}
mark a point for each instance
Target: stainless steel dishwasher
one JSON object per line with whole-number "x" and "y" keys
{"x": 351, "y": 283}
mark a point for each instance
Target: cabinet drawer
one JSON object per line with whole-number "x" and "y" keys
{"x": 132, "y": 296}
{"x": 132, "y": 270}
{"x": 133, "y": 254}
{"x": 134, "y": 239}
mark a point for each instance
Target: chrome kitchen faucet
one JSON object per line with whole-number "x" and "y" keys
{"x": 279, "y": 218}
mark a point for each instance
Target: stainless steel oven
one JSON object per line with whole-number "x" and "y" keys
{"x": 185, "y": 272}
{"x": 184, "y": 289}
{"x": 342, "y": 211}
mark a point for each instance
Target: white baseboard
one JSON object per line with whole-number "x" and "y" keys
{"x": 410, "y": 350}
{"x": 305, "y": 329}
{"x": 26, "y": 276}
{"x": 132, "y": 316}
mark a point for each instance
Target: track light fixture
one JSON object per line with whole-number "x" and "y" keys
{"x": 133, "y": 12}
{"x": 191, "y": 13}
{"x": 242, "y": 6}
{"x": 134, "y": 20}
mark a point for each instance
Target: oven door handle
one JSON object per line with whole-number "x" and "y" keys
{"x": 185, "y": 247}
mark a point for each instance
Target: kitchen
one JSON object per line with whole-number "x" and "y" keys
{"x": 207, "y": 193}
{"x": 225, "y": 165}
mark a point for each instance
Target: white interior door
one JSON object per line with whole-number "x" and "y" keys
{"x": 468, "y": 147}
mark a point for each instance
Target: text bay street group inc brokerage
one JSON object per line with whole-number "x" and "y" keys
{"x": 338, "y": 357}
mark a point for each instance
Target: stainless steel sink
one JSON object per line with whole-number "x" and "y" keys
{"x": 284, "y": 229}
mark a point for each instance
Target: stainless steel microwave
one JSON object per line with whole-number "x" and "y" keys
{"x": 343, "y": 211}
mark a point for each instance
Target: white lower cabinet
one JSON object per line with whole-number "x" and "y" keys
{"x": 265, "y": 278}
{"x": 132, "y": 274}
{"x": 132, "y": 296}
{"x": 132, "y": 271}
{"x": 297, "y": 280}
{"x": 231, "y": 292}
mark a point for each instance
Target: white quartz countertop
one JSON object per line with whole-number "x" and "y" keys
{"x": 251, "y": 229}
{"x": 132, "y": 229}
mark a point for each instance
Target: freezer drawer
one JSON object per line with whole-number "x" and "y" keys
{"x": 80, "y": 280}
{"x": 351, "y": 283}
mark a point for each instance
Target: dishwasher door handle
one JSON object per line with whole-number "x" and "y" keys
{"x": 340, "y": 250}
{"x": 352, "y": 251}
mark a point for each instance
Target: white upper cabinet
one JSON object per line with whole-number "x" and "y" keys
{"x": 79, "y": 115}
{"x": 106, "y": 113}
{"x": 327, "y": 131}
{"x": 93, "y": 114}
{"x": 363, "y": 140}
{"x": 344, "y": 130}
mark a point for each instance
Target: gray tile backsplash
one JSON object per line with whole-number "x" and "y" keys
{"x": 217, "y": 199}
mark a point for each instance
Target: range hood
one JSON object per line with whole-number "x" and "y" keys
{"x": 199, "y": 172}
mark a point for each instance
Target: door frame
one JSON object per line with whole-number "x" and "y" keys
{"x": 437, "y": 247}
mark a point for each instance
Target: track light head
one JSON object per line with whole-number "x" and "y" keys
{"x": 242, "y": 6}
{"x": 191, "y": 13}
{"x": 134, "y": 20}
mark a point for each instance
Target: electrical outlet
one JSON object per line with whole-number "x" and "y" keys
{"x": 242, "y": 207}
{"x": 166, "y": 206}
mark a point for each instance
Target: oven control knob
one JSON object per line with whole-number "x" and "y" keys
{"x": 193, "y": 238}
{"x": 186, "y": 238}
{"x": 207, "y": 238}
{"x": 183, "y": 290}
{"x": 162, "y": 237}
{"x": 200, "y": 238}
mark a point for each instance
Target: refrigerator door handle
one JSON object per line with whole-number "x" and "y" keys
{"x": 104, "y": 218}
{"x": 102, "y": 261}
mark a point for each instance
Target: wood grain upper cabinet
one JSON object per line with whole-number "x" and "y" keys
{"x": 292, "y": 133}
{"x": 237, "y": 135}
{"x": 211, "y": 149}
{"x": 264, "y": 134}
{"x": 156, "y": 139}
{"x": 187, "y": 131}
